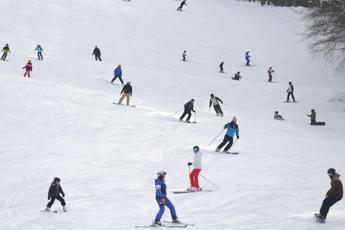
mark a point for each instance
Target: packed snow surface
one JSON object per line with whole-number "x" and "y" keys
{"x": 62, "y": 122}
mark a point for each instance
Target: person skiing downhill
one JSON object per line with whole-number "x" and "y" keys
{"x": 247, "y": 57}
{"x": 97, "y": 53}
{"x": 221, "y": 69}
{"x": 333, "y": 195}
{"x": 162, "y": 199}
{"x": 5, "y": 50}
{"x": 117, "y": 74}
{"x": 181, "y": 5}
{"x": 194, "y": 175}
{"x": 39, "y": 52}
{"x": 237, "y": 76}
{"x": 216, "y": 106}
{"x": 184, "y": 55}
{"x": 188, "y": 108}
{"x": 290, "y": 92}
{"x": 232, "y": 129}
{"x": 270, "y": 71}
{"x": 126, "y": 93}
{"x": 28, "y": 69}
{"x": 313, "y": 119}
{"x": 54, "y": 192}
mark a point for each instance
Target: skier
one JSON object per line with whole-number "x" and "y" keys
{"x": 188, "y": 108}
{"x": 126, "y": 93}
{"x": 181, "y": 5}
{"x": 162, "y": 199}
{"x": 194, "y": 175}
{"x": 184, "y": 55}
{"x": 247, "y": 56}
{"x": 290, "y": 92}
{"x": 117, "y": 74}
{"x": 28, "y": 69}
{"x": 277, "y": 116}
{"x": 5, "y": 50}
{"x": 39, "y": 52}
{"x": 313, "y": 119}
{"x": 54, "y": 192}
{"x": 221, "y": 70}
{"x": 97, "y": 53}
{"x": 270, "y": 71}
{"x": 237, "y": 76}
{"x": 232, "y": 129}
{"x": 215, "y": 101}
{"x": 333, "y": 195}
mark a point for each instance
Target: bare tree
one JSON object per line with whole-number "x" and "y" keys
{"x": 326, "y": 31}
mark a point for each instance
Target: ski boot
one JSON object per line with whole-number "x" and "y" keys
{"x": 157, "y": 223}
{"x": 176, "y": 221}
{"x": 198, "y": 189}
{"x": 47, "y": 209}
{"x": 320, "y": 218}
{"x": 217, "y": 150}
{"x": 191, "y": 189}
{"x": 64, "y": 208}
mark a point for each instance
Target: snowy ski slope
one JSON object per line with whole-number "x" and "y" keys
{"x": 62, "y": 121}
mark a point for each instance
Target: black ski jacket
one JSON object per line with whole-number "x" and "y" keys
{"x": 127, "y": 89}
{"x": 96, "y": 52}
{"x": 55, "y": 190}
{"x": 189, "y": 106}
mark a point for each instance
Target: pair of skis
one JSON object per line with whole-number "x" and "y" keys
{"x": 166, "y": 224}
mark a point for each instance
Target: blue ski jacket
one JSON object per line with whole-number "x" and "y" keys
{"x": 118, "y": 72}
{"x": 232, "y": 129}
{"x": 161, "y": 189}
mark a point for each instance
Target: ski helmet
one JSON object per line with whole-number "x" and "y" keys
{"x": 161, "y": 173}
{"x": 331, "y": 172}
{"x": 57, "y": 179}
{"x": 196, "y": 149}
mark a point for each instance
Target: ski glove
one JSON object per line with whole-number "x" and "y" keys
{"x": 190, "y": 163}
{"x": 162, "y": 201}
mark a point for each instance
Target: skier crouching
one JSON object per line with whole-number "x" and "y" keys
{"x": 54, "y": 192}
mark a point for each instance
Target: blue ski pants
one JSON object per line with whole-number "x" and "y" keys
{"x": 162, "y": 208}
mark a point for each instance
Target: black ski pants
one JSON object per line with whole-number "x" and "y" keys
{"x": 98, "y": 57}
{"x": 226, "y": 140}
{"x": 218, "y": 109}
{"x": 326, "y": 204}
{"x": 52, "y": 200}
{"x": 4, "y": 55}
{"x": 39, "y": 56}
{"x": 185, "y": 112}
{"x": 270, "y": 77}
{"x": 116, "y": 76}
{"x": 288, "y": 97}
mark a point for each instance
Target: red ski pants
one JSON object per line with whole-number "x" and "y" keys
{"x": 194, "y": 178}
{"x": 27, "y": 72}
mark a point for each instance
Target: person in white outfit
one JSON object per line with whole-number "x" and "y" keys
{"x": 194, "y": 175}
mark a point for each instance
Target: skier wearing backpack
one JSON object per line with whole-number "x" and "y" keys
{"x": 194, "y": 175}
{"x": 232, "y": 129}
{"x": 162, "y": 199}
{"x": 290, "y": 92}
{"x": 39, "y": 52}
{"x": 5, "y": 50}
{"x": 188, "y": 108}
{"x": 181, "y": 5}
{"x": 333, "y": 195}
{"x": 215, "y": 102}
{"x": 270, "y": 71}
{"x": 54, "y": 192}
{"x": 247, "y": 57}
{"x": 97, "y": 53}
{"x": 126, "y": 93}
{"x": 28, "y": 69}
{"x": 117, "y": 74}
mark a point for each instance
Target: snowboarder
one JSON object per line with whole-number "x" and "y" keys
{"x": 194, "y": 175}
{"x": 28, "y": 69}
{"x": 290, "y": 92}
{"x": 5, "y": 50}
{"x": 333, "y": 195}
{"x": 184, "y": 55}
{"x": 215, "y": 101}
{"x": 117, "y": 74}
{"x": 270, "y": 71}
{"x": 277, "y": 116}
{"x": 247, "y": 56}
{"x": 54, "y": 192}
{"x": 237, "y": 76}
{"x": 232, "y": 129}
{"x": 313, "y": 119}
{"x": 162, "y": 199}
{"x": 181, "y": 5}
{"x": 126, "y": 93}
{"x": 221, "y": 69}
{"x": 97, "y": 53}
{"x": 188, "y": 108}
{"x": 39, "y": 52}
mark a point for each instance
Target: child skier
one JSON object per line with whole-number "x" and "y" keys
{"x": 126, "y": 93}
{"x": 54, "y": 192}
{"x": 232, "y": 129}
{"x": 270, "y": 71}
{"x": 181, "y": 5}
{"x": 117, "y": 74}
{"x": 247, "y": 56}
{"x": 333, "y": 195}
{"x": 39, "y": 52}
{"x": 97, "y": 53}
{"x": 194, "y": 175}
{"x": 28, "y": 69}
{"x": 290, "y": 92}
{"x": 188, "y": 108}
{"x": 162, "y": 199}
{"x": 215, "y": 101}
{"x": 5, "y": 50}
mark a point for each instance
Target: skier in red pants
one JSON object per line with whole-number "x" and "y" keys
{"x": 194, "y": 175}
{"x": 28, "y": 69}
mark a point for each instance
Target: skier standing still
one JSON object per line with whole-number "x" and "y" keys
{"x": 270, "y": 71}
{"x": 184, "y": 55}
{"x": 39, "y": 52}
{"x": 28, "y": 69}
{"x": 247, "y": 57}
{"x": 188, "y": 108}
{"x": 194, "y": 175}
{"x": 232, "y": 129}
{"x": 215, "y": 101}
{"x": 290, "y": 92}
{"x": 54, "y": 192}
{"x": 181, "y": 5}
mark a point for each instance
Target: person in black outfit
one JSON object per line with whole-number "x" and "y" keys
{"x": 188, "y": 108}
{"x": 54, "y": 192}
{"x": 126, "y": 93}
{"x": 97, "y": 53}
{"x": 181, "y": 5}
{"x": 184, "y": 55}
{"x": 215, "y": 101}
{"x": 237, "y": 76}
{"x": 221, "y": 67}
{"x": 290, "y": 92}
{"x": 5, "y": 50}
{"x": 313, "y": 119}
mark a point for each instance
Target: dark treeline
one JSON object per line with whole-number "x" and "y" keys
{"x": 304, "y": 3}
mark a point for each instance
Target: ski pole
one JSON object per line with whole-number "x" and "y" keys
{"x": 178, "y": 111}
{"x": 215, "y": 137}
{"x": 194, "y": 117}
{"x": 211, "y": 183}
{"x": 190, "y": 182}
